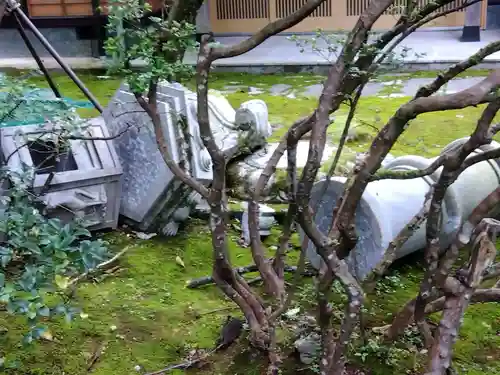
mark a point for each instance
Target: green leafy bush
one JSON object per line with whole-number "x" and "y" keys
{"x": 155, "y": 41}
{"x": 38, "y": 255}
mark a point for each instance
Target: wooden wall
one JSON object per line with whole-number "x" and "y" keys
{"x": 246, "y": 16}
{"x": 59, "y": 8}
{"x": 70, "y": 8}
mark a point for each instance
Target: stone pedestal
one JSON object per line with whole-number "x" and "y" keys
{"x": 266, "y": 221}
{"x": 152, "y": 198}
{"x": 83, "y": 181}
{"x": 388, "y": 205}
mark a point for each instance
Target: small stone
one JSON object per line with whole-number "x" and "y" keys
{"x": 292, "y": 313}
{"x": 314, "y": 90}
{"x": 266, "y": 221}
{"x": 232, "y": 88}
{"x": 279, "y": 89}
{"x": 349, "y": 165}
{"x": 113, "y": 328}
{"x": 254, "y": 90}
{"x": 308, "y": 347}
{"x": 355, "y": 135}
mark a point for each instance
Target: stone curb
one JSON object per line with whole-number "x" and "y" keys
{"x": 319, "y": 67}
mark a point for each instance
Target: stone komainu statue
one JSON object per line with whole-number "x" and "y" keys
{"x": 152, "y": 198}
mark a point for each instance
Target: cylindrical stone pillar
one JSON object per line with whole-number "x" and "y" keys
{"x": 388, "y": 205}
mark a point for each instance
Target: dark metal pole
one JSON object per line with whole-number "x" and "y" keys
{"x": 2, "y": 9}
{"x": 33, "y": 52}
{"x": 14, "y": 6}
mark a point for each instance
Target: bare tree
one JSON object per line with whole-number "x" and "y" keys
{"x": 358, "y": 60}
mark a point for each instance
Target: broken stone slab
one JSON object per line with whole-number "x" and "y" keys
{"x": 388, "y": 205}
{"x": 372, "y": 88}
{"x": 232, "y": 88}
{"x": 254, "y": 90}
{"x": 266, "y": 221}
{"x": 83, "y": 182}
{"x": 308, "y": 348}
{"x": 152, "y": 198}
{"x": 280, "y": 89}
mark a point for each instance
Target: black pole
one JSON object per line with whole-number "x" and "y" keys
{"x": 14, "y": 7}
{"x": 33, "y": 52}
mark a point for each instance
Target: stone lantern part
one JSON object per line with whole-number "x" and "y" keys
{"x": 82, "y": 181}
{"x": 388, "y": 205}
{"x": 152, "y": 198}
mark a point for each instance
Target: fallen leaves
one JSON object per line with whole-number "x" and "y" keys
{"x": 179, "y": 261}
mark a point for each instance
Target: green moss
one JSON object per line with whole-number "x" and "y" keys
{"x": 425, "y": 135}
{"x": 152, "y": 310}
{"x": 223, "y": 79}
{"x": 102, "y": 88}
{"x": 154, "y": 313}
{"x": 431, "y": 74}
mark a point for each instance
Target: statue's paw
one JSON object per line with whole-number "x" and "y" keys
{"x": 170, "y": 229}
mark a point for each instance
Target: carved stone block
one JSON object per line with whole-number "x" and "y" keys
{"x": 82, "y": 181}
{"x": 147, "y": 180}
{"x": 152, "y": 197}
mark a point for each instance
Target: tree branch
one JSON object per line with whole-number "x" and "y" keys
{"x": 384, "y": 174}
{"x": 483, "y": 255}
{"x": 449, "y": 175}
{"x": 479, "y": 296}
{"x": 386, "y": 138}
{"x": 150, "y": 109}
{"x": 101, "y": 266}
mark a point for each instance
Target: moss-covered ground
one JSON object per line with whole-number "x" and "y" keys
{"x": 146, "y": 316}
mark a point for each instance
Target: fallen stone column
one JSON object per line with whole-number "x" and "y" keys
{"x": 388, "y": 205}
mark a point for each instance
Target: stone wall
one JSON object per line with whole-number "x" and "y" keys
{"x": 64, "y": 40}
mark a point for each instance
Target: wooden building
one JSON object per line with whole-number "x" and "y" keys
{"x": 228, "y": 16}
{"x": 246, "y": 16}
{"x": 236, "y": 16}
{"x": 66, "y": 13}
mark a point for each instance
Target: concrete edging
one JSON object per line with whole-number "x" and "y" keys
{"x": 255, "y": 68}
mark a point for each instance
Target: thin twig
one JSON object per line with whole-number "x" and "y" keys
{"x": 99, "y": 267}
{"x": 214, "y": 311}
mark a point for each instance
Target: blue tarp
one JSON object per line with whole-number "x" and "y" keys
{"x": 37, "y": 106}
